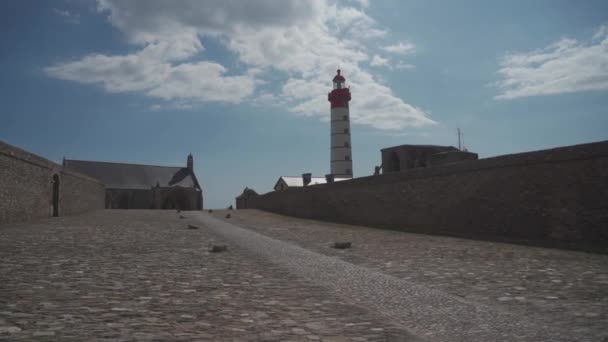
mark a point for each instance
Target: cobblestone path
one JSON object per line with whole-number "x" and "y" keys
{"x": 564, "y": 291}
{"x": 141, "y": 275}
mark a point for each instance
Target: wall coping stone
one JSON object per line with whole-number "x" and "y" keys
{"x": 33, "y": 159}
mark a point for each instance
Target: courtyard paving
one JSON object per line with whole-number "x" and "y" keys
{"x": 565, "y": 291}
{"x": 142, "y": 275}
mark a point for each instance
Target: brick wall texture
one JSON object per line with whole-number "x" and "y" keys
{"x": 26, "y": 187}
{"x": 550, "y": 195}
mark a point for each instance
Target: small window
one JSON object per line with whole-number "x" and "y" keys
{"x": 346, "y": 144}
{"x": 346, "y": 130}
{"x": 345, "y": 117}
{"x": 347, "y": 158}
{"x": 348, "y": 171}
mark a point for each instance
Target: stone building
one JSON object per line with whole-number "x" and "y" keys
{"x": 135, "y": 186}
{"x": 242, "y": 202}
{"x": 399, "y": 158}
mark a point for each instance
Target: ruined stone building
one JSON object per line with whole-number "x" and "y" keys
{"x": 135, "y": 186}
{"x": 242, "y": 202}
{"x": 403, "y": 157}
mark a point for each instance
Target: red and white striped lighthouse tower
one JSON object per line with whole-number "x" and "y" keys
{"x": 340, "y": 150}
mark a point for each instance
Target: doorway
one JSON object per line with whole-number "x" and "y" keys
{"x": 123, "y": 203}
{"x": 55, "y": 195}
{"x": 394, "y": 164}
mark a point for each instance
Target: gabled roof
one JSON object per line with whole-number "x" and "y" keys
{"x": 294, "y": 181}
{"x": 134, "y": 176}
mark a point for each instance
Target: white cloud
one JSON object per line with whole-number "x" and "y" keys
{"x": 379, "y": 61}
{"x": 362, "y": 3}
{"x": 352, "y": 22}
{"x": 69, "y": 17}
{"x": 404, "y": 66}
{"x": 401, "y": 48}
{"x": 566, "y": 66}
{"x": 303, "y": 40}
{"x": 149, "y": 71}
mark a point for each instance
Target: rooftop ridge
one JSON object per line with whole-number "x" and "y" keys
{"x": 107, "y": 162}
{"x": 417, "y": 145}
{"x": 311, "y": 177}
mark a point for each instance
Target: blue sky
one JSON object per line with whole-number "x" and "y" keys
{"x": 243, "y": 85}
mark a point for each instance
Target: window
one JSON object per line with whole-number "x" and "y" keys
{"x": 346, "y": 130}
{"x": 348, "y": 171}
{"x": 347, "y": 157}
{"x": 346, "y": 144}
{"x": 345, "y": 117}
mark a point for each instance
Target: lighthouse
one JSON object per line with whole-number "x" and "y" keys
{"x": 340, "y": 148}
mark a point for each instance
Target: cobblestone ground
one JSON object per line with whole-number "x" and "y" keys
{"x": 141, "y": 275}
{"x": 565, "y": 289}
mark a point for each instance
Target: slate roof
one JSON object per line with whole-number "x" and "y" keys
{"x": 134, "y": 176}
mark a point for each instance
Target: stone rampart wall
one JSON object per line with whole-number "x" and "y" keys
{"x": 26, "y": 187}
{"x": 550, "y": 195}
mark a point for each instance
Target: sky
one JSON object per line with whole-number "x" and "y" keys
{"x": 242, "y": 85}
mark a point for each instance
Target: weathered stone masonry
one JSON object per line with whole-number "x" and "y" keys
{"x": 557, "y": 194}
{"x": 27, "y": 182}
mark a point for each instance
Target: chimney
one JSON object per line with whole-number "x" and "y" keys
{"x": 329, "y": 178}
{"x": 190, "y": 163}
{"x": 306, "y": 178}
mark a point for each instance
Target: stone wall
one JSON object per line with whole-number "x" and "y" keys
{"x": 550, "y": 195}
{"x": 177, "y": 198}
{"x": 26, "y": 187}
{"x": 129, "y": 199}
{"x": 451, "y": 157}
{"x": 154, "y": 198}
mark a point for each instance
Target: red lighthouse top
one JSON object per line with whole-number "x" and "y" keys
{"x": 340, "y": 96}
{"x": 339, "y": 77}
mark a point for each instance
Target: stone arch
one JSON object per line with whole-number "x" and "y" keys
{"x": 55, "y": 199}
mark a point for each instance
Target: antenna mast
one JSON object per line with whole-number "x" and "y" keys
{"x": 459, "y": 141}
{"x": 462, "y": 139}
